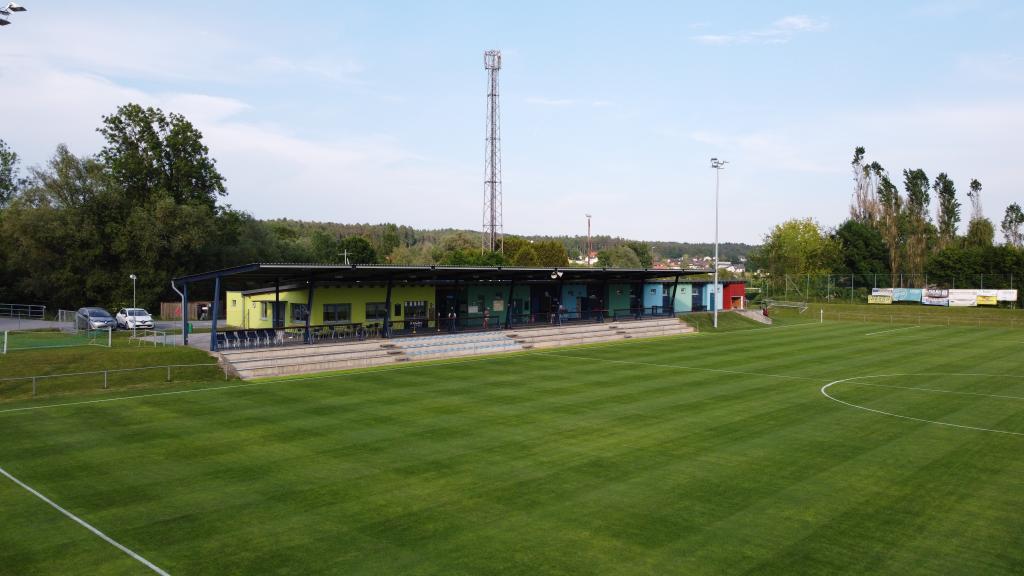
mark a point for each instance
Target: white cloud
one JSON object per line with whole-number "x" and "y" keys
{"x": 270, "y": 171}
{"x": 780, "y": 32}
{"x": 799, "y": 23}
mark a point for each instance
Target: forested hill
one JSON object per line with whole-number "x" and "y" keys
{"x": 379, "y": 235}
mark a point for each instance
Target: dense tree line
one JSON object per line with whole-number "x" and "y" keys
{"x": 73, "y": 229}
{"x": 892, "y": 232}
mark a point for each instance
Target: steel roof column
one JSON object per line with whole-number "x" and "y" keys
{"x": 216, "y": 313}
{"x": 184, "y": 314}
{"x": 508, "y": 304}
{"x": 387, "y": 312}
{"x": 309, "y": 310}
{"x": 674, "y": 284}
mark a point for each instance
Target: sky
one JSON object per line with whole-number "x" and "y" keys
{"x": 375, "y": 111}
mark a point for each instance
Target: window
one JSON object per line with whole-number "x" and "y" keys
{"x": 376, "y": 311}
{"x": 337, "y": 313}
{"x": 299, "y": 313}
{"x": 265, "y": 308}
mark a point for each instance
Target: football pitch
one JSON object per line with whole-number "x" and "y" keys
{"x": 835, "y": 448}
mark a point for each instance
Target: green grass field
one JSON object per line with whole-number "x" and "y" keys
{"x": 701, "y": 454}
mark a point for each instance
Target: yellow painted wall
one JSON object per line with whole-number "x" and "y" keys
{"x": 235, "y": 306}
{"x": 356, "y": 296}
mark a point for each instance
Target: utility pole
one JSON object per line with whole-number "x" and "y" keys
{"x": 492, "y": 225}
{"x": 718, "y": 166}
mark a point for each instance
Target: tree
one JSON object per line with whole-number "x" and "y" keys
{"x": 975, "y": 196}
{"x": 798, "y": 246}
{"x": 358, "y": 249}
{"x": 980, "y": 233}
{"x": 863, "y": 251}
{"x": 551, "y": 253}
{"x": 1012, "y": 222}
{"x": 865, "y": 206}
{"x": 642, "y": 251}
{"x": 150, "y": 152}
{"x": 892, "y": 216}
{"x": 526, "y": 257}
{"x": 949, "y": 209}
{"x": 9, "y": 180}
{"x": 618, "y": 257}
{"x": 915, "y": 183}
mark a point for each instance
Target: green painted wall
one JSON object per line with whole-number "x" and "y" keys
{"x": 684, "y": 297}
{"x": 617, "y": 300}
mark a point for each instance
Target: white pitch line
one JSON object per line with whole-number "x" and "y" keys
{"x": 86, "y": 525}
{"x": 676, "y": 366}
{"x": 893, "y": 330}
{"x": 824, "y": 390}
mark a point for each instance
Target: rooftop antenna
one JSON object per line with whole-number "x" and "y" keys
{"x": 492, "y": 221}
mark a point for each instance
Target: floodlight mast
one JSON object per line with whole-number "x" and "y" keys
{"x": 718, "y": 166}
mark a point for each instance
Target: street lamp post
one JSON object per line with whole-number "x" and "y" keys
{"x": 134, "y": 278}
{"x": 718, "y": 165}
{"x": 589, "y": 245}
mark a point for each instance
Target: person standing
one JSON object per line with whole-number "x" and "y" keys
{"x": 487, "y": 317}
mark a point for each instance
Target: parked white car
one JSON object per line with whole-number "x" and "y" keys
{"x": 129, "y": 318}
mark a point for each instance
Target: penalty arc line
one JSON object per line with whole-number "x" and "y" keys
{"x": 824, "y": 391}
{"x": 86, "y": 525}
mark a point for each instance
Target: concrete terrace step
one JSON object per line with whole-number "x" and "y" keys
{"x": 238, "y": 354}
{"x": 312, "y": 357}
{"x": 454, "y": 345}
{"x": 310, "y": 367}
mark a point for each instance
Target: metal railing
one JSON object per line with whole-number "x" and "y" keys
{"x": 98, "y": 379}
{"x": 23, "y": 311}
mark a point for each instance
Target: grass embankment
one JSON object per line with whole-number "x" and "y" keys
{"x": 122, "y": 354}
{"x": 714, "y": 455}
{"x": 729, "y": 321}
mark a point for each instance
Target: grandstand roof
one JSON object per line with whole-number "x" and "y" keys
{"x": 262, "y": 274}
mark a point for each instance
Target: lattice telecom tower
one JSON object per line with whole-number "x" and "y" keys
{"x": 492, "y": 157}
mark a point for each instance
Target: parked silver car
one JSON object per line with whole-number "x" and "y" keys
{"x": 91, "y": 318}
{"x": 129, "y": 318}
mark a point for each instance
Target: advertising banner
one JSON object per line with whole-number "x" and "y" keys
{"x": 880, "y": 296}
{"x": 963, "y": 297}
{"x": 907, "y": 294}
{"x": 986, "y": 297}
{"x": 1006, "y": 295}
{"x": 936, "y": 293}
{"x": 930, "y": 301}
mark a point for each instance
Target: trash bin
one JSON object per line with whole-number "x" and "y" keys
{"x": 189, "y": 328}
